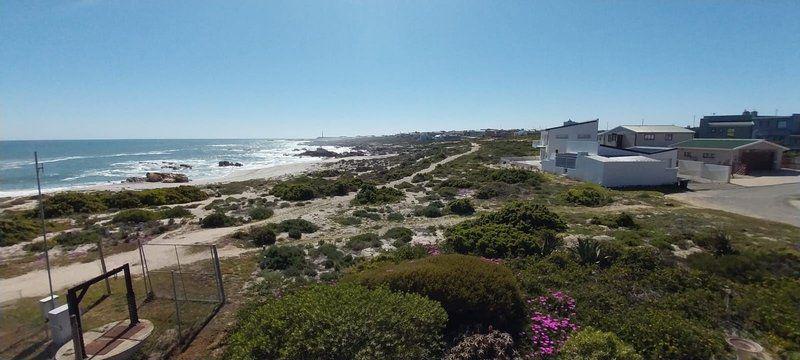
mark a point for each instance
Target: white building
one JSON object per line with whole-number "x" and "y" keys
{"x": 573, "y": 150}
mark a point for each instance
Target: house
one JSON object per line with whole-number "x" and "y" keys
{"x": 573, "y": 150}
{"x": 742, "y": 155}
{"x": 627, "y": 136}
{"x": 554, "y": 140}
{"x": 782, "y": 130}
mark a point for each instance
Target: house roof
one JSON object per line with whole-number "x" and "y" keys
{"x": 731, "y": 124}
{"x": 620, "y": 159}
{"x": 649, "y": 149}
{"x": 573, "y": 124}
{"x": 656, "y": 129}
{"x": 725, "y": 144}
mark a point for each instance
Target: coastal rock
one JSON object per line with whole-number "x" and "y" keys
{"x": 229, "y": 163}
{"x": 320, "y": 152}
{"x": 166, "y": 177}
{"x": 136, "y": 179}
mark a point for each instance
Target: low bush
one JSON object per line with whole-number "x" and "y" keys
{"x": 516, "y": 176}
{"x": 295, "y": 234}
{"x": 260, "y": 213}
{"x": 494, "y": 190}
{"x": 217, "y": 219}
{"x": 304, "y": 188}
{"x": 17, "y": 228}
{"x": 261, "y": 235}
{"x": 587, "y": 195}
{"x": 72, "y": 202}
{"x": 461, "y": 207}
{"x": 718, "y": 242}
{"x": 371, "y": 195}
{"x": 491, "y": 241}
{"x": 447, "y": 192}
{"x": 420, "y": 177}
{"x": 175, "y": 212}
{"x": 289, "y": 259}
{"x": 363, "y": 241}
{"x": 367, "y": 214}
{"x": 395, "y": 216}
{"x": 431, "y": 211}
{"x": 592, "y": 344}
{"x": 300, "y": 225}
{"x": 340, "y": 322}
{"x": 135, "y": 216}
{"x": 473, "y": 291}
{"x": 72, "y": 239}
{"x": 524, "y": 216}
{"x": 347, "y": 220}
{"x": 399, "y": 233}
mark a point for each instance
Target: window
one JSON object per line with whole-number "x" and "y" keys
{"x": 713, "y": 130}
{"x": 687, "y": 154}
{"x": 731, "y": 133}
{"x": 708, "y": 155}
{"x": 562, "y": 136}
{"x": 613, "y": 137}
{"x": 649, "y": 136}
{"x": 584, "y": 136}
{"x": 781, "y": 124}
{"x": 668, "y": 137}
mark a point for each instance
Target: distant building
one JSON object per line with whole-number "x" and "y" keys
{"x": 782, "y": 130}
{"x": 742, "y": 155}
{"x": 572, "y": 150}
{"x": 627, "y": 136}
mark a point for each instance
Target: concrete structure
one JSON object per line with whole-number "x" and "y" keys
{"x": 782, "y": 130}
{"x": 742, "y": 155}
{"x": 114, "y": 341}
{"x": 572, "y": 150}
{"x": 627, "y": 136}
{"x": 698, "y": 171}
{"x": 554, "y": 140}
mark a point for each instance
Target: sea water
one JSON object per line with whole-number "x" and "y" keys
{"x": 79, "y": 163}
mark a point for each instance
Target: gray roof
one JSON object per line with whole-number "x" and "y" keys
{"x": 731, "y": 124}
{"x": 657, "y": 129}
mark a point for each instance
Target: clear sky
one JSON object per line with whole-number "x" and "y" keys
{"x": 256, "y": 69}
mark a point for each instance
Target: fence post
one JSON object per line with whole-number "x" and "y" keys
{"x": 180, "y": 272}
{"x": 103, "y": 264}
{"x": 177, "y": 305}
{"x": 218, "y": 273}
{"x": 145, "y": 275}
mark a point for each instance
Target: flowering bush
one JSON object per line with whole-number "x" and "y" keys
{"x": 494, "y": 345}
{"x": 551, "y": 323}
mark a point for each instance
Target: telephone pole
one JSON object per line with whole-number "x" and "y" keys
{"x": 41, "y": 217}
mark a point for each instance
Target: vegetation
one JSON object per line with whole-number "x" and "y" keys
{"x": 257, "y": 235}
{"x": 304, "y": 188}
{"x": 492, "y": 241}
{"x": 260, "y": 213}
{"x": 495, "y": 345}
{"x": 593, "y": 344}
{"x": 474, "y": 292}
{"x": 400, "y": 233}
{"x": 340, "y": 322}
{"x": 587, "y": 195}
{"x": 371, "y": 195}
{"x": 295, "y": 225}
{"x": 217, "y": 219}
{"x": 16, "y": 228}
{"x": 72, "y": 239}
{"x": 363, "y": 241}
{"x": 289, "y": 259}
{"x": 461, "y": 207}
{"x": 135, "y": 216}
{"x": 71, "y": 202}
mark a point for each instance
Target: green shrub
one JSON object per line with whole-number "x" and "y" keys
{"x": 363, "y": 241}
{"x": 662, "y": 334}
{"x": 260, "y": 213}
{"x": 72, "y": 202}
{"x": 461, "y": 207}
{"x": 717, "y": 242}
{"x": 399, "y": 233}
{"x": 457, "y": 183}
{"x": 348, "y": 221}
{"x": 135, "y": 216}
{"x": 217, "y": 219}
{"x": 592, "y": 344}
{"x": 17, "y": 228}
{"x": 261, "y": 235}
{"x": 474, "y": 292}
{"x": 447, "y": 192}
{"x": 493, "y": 190}
{"x": 491, "y": 241}
{"x": 367, "y": 214}
{"x": 284, "y": 258}
{"x": 370, "y": 195}
{"x": 174, "y": 212}
{"x": 72, "y": 239}
{"x": 516, "y": 176}
{"x": 587, "y": 195}
{"x": 340, "y": 322}
{"x": 304, "y": 188}
{"x": 419, "y": 177}
{"x": 395, "y": 216}
{"x": 625, "y": 220}
{"x": 431, "y": 211}
{"x": 524, "y": 216}
{"x": 295, "y": 234}
{"x": 301, "y": 225}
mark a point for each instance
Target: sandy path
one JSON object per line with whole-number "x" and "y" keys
{"x": 448, "y": 159}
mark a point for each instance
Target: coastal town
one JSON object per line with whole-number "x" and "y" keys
{"x": 595, "y": 197}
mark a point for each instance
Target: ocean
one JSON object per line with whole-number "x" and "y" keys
{"x": 80, "y": 163}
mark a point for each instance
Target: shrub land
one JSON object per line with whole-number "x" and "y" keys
{"x": 72, "y": 202}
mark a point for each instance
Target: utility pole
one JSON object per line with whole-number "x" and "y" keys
{"x": 41, "y": 217}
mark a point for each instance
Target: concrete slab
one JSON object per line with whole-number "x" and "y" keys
{"x": 784, "y": 176}
{"x": 114, "y": 341}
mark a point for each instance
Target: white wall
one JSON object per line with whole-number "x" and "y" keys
{"x": 617, "y": 174}
{"x": 580, "y": 132}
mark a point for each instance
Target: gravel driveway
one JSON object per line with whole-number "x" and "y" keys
{"x": 779, "y": 203}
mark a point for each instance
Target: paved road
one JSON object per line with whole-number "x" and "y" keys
{"x": 779, "y": 203}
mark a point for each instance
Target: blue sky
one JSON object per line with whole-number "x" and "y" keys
{"x": 255, "y": 69}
